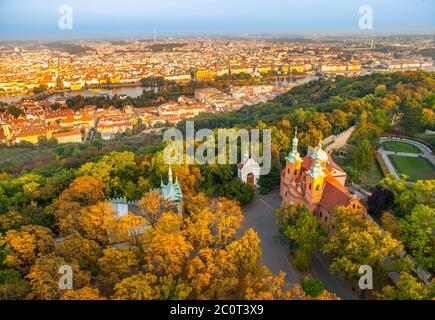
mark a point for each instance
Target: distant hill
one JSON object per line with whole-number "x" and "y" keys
{"x": 70, "y": 48}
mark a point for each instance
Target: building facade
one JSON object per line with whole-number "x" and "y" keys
{"x": 248, "y": 171}
{"x": 317, "y": 182}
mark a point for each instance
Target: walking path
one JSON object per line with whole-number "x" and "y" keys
{"x": 425, "y": 152}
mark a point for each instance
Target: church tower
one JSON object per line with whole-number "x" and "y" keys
{"x": 315, "y": 177}
{"x": 291, "y": 171}
{"x": 293, "y": 161}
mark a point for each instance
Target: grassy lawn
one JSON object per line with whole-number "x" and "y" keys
{"x": 415, "y": 168}
{"x": 372, "y": 177}
{"x": 367, "y": 179}
{"x": 396, "y": 146}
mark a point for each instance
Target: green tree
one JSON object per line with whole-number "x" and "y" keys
{"x": 313, "y": 287}
{"x": 418, "y": 231}
{"x": 239, "y": 191}
{"x": 300, "y": 228}
{"x": 407, "y": 288}
{"x": 358, "y": 242}
{"x": 362, "y": 156}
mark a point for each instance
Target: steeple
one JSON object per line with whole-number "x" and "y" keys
{"x": 320, "y": 154}
{"x": 295, "y": 141}
{"x": 316, "y": 169}
{"x": 170, "y": 175}
{"x": 294, "y": 155}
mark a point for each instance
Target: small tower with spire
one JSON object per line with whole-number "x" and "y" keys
{"x": 293, "y": 160}
{"x": 172, "y": 191}
{"x": 315, "y": 177}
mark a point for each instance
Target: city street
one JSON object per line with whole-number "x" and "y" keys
{"x": 259, "y": 215}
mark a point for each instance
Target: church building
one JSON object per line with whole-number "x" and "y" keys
{"x": 317, "y": 182}
{"x": 248, "y": 170}
{"x": 171, "y": 191}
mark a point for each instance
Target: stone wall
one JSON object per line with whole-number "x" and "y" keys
{"x": 339, "y": 141}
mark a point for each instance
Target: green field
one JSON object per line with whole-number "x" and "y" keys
{"x": 414, "y": 168}
{"x": 396, "y": 146}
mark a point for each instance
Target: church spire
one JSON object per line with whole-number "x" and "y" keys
{"x": 294, "y": 155}
{"x": 295, "y": 141}
{"x": 170, "y": 175}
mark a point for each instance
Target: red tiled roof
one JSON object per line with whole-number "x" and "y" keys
{"x": 74, "y": 132}
{"x": 333, "y": 196}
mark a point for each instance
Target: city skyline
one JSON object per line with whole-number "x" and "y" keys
{"x": 37, "y": 20}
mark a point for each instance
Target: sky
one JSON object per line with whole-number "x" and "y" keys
{"x": 92, "y": 19}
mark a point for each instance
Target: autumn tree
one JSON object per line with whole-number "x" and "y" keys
{"x": 267, "y": 286}
{"x": 228, "y": 219}
{"x": 26, "y": 245}
{"x": 189, "y": 178}
{"x": 197, "y": 203}
{"x": 245, "y": 253}
{"x": 76, "y": 247}
{"x": 44, "y": 277}
{"x": 147, "y": 286}
{"x": 82, "y": 192}
{"x": 169, "y": 249}
{"x": 116, "y": 264}
{"x": 96, "y": 222}
{"x": 130, "y": 228}
{"x": 407, "y": 288}
{"x": 152, "y": 206}
{"x": 85, "y": 293}
{"x": 358, "y": 242}
{"x": 391, "y": 224}
{"x": 213, "y": 275}
{"x": 198, "y": 229}
{"x": 117, "y": 170}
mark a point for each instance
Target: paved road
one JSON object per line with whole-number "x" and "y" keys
{"x": 259, "y": 215}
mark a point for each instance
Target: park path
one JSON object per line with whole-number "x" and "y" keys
{"x": 425, "y": 152}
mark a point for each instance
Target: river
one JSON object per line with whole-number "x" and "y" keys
{"x": 131, "y": 91}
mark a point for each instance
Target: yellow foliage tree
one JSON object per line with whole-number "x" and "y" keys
{"x": 85, "y": 293}
{"x": 82, "y": 192}
{"x": 151, "y": 206}
{"x": 198, "y": 229}
{"x": 26, "y": 244}
{"x": 168, "y": 250}
{"x": 97, "y": 221}
{"x": 212, "y": 275}
{"x": 44, "y": 277}
{"x": 75, "y": 247}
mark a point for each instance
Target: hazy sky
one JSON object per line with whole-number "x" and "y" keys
{"x": 38, "y": 19}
